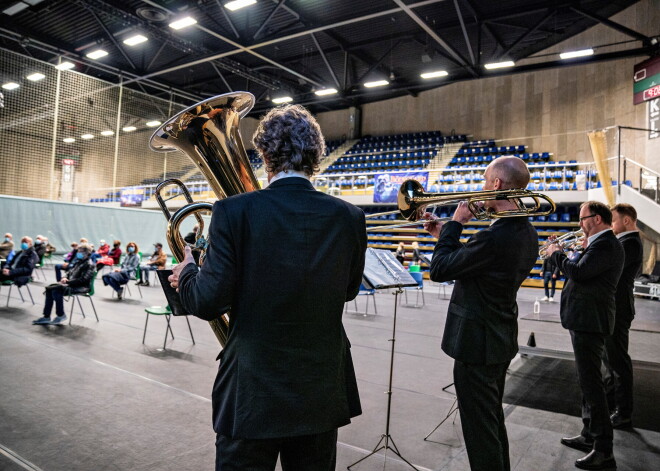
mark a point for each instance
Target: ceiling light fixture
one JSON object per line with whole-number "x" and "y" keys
{"x": 35, "y": 77}
{"x": 183, "y": 22}
{"x": 135, "y": 40}
{"x": 97, "y": 54}
{"x": 65, "y": 65}
{"x": 238, "y": 4}
{"x": 437, "y": 73}
{"x": 574, "y": 54}
{"x": 107, "y": 133}
{"x": 10, "y": 86}
{"x": 129, "y": 128}
{"x": 15, "y": 8}
{"x": 153, "y": 124}
{"x": 282, "y": 99}
{"x": 326, "y": 91}
{"x": 68, "y": 140}
{"x": 87, "y": 136}
{"x": 499, "y": 65}
{"x": 377, "y": 83}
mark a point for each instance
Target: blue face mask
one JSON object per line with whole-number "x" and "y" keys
{"x": 131, "y": 249}
{"x": 7, "y": 239}
{"x": 24, "y": 245}
{"x": 37, "y": 242}
{"x": 80, "y": 255}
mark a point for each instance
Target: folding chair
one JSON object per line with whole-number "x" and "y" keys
{"x": 363, "y": 292}
{"x": 419, "y": 278}
{"x": 167, "y": 312}
{"x": 10, "y": 284}
{"x": 87, "y": 295}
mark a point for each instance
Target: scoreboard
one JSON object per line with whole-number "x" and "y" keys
{"x": 646, "y": 81}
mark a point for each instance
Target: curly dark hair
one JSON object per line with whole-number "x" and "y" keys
{"x": 289, "y": 138}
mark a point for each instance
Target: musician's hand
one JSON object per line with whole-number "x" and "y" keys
{"x": 434, "y": 226}
{"x": 554, "y": 277}
{"x": 462, "y": 213}
{"x": 552, "y": 249}
{"x": 585, "y": 242}
{"x": 176, "y": 271}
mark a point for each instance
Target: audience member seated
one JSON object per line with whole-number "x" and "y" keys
{"x": 6, "y": 247}
{"x": 50, "y": 249}
{"x": 20, "y": 268}
{"x": 112, "y": 257}
{"x": 69, "y": 261}
{"x": 80, "y": 277}
{"x": 120, "y": 276}
{"x": 103, "y": 249}
{"x": 157, "y": 261}
{"x": 40, "y": 246}
{"x": 190, "y": 236}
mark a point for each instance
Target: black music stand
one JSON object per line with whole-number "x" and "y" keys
{"x": 382, "y": 271}
{"x": 452, "y": 411}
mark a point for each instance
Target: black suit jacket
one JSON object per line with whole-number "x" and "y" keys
{"x": 587, "y": 300}
{"x": 632, "y": 267}
{"x": 284, "y": 259}
{"x": 482, "y": 325}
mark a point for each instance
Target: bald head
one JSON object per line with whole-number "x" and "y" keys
{"x": 511, "y": 171}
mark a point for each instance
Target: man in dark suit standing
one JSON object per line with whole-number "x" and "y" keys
{"x": 481, "y": 331}
{"x": 588, "y": 311}
{"x": 619, "y": 383}
{"x": 284, "y": 259}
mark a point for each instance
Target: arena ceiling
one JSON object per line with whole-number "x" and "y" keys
{"x": 297, "y": 47}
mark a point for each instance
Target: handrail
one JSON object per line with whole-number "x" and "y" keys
{"x": 641, "y": 166}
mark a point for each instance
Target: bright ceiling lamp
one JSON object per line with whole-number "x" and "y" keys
{"x": 435, "y": 74}
{"x": 183, "y": 22}
{"x": 87, "y": 136}
{"x": 129, "y": 129}
{"x": 574, "y": 54}
{"x": 153, "y": 124}
{"x": 68, "y": 140}
{"x": 499, "y": 65}
{"x": 107, "y": 133}
{"x": 97, "y": 54}
{"x": 135, "y": 40}
{"x": 238, "y": 4}
{"x": 377, "y": 83}
{"x": 35, "y": 77}
{"x": 326, "y": 91}
{"x": 282, "y": 99}
{"x": 66, "y": 65}
{"x": 10, "y": 85}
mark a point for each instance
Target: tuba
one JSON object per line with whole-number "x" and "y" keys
{"x": 207, "y": 133}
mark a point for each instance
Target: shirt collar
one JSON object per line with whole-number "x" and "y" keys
{"x": 288, "y": 174}
{"x": 592, "y": 238}
{"x": 621, "y": 234}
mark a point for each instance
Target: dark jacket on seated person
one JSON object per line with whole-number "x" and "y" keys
{"x": 21, "y": 266}
{"x": 80, "y": 276}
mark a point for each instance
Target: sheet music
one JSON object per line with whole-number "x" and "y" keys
{"x": 382, "y": 270}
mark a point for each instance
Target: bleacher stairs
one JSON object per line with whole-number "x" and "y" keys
{"x": 335, "y": 154}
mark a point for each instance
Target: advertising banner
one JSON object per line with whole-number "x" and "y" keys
{"x": 386, "y": 185}
{"x": 131, "y": 197}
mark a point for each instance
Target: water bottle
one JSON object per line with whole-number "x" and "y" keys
{"x": 537, "y": 306}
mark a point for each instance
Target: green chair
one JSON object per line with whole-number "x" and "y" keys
{"x": 87, "y": 295}
{"x": 10, "y": 284}
{"x": 38, "y": 268}
{"x": 167, "y": 313}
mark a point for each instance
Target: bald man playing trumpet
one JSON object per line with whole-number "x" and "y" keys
{"x": 481, "y": 331}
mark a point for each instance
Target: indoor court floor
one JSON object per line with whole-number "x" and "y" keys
{"x": 91, "y": 396}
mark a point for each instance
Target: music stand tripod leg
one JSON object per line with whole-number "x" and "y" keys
{"x": 386, "y": 436}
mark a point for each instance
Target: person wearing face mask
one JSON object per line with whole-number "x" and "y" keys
{"x": 157, "y": 261}
{"x": 68, "y": 263}
{"x": 7, "y": 246}
{"x": 40, "y": 246}
{"x": 110, "y": 255}
{"x": 20, "y": 268}
{"x": 78, "y": 281}
{"x": 121, "y": 275}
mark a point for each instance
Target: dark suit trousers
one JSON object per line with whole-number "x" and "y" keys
{"x": 589, "y": 348}
{"x": 619, "y": 383}
{"x": 305, "y": 453}
{"x": 479, "y": 389}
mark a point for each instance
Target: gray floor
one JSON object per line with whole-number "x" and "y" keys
{"x": 91, "y": 397}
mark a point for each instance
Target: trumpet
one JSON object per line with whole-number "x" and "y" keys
{"x": 570, "y": 240}
{"x": 412, "y": 202}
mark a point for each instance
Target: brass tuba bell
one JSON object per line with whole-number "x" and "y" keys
{"x": 207, "y": 133}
